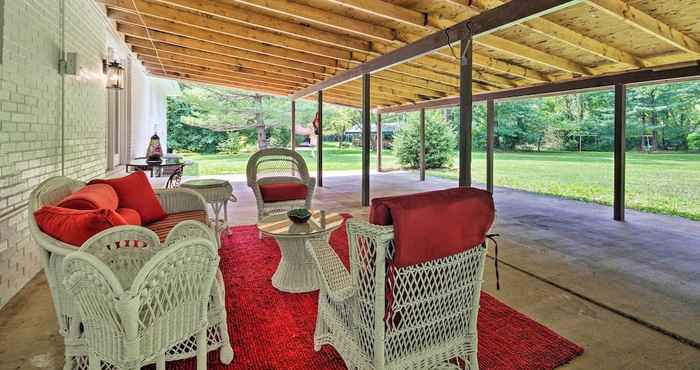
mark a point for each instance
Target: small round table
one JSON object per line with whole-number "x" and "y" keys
{"x": 296, "y": 272}
{"x": 217, "y": 193}
{"x": 155, "y": 167}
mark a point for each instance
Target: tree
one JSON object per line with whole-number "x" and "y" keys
{"x": 440, "y": 141}
{"x": 228, "y": 110}
{"x": 189, "y": 138}
{"x": 342, "y": 120}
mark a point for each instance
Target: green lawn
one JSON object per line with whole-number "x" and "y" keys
{"x": 660, "y": 183}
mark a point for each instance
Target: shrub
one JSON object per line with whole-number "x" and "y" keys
{"x": 280, "y": 137}
{"x": 440, "y": 142}
{"x": 233, "y": 144}
{"x": 694, "y": 141}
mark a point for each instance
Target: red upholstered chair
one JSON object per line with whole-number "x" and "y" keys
{"x": 280, "y": 181}
{"x": 411, "y": 297}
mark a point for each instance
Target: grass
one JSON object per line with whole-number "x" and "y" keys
{"x": 666, "y": 183}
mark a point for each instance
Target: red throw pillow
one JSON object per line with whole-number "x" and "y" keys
{"x": 135, "y": 192}
{"x": 436, "y": 224}
{"x": 74, "y": 226}
{"x": 94, "y": 196}
{"x": 280, "y": 192}
{"x": 130, "y": 216}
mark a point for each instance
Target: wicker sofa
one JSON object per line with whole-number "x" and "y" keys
{"x": 181, "y": 203}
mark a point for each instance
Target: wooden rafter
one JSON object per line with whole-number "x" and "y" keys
{"x": 647, "y": 23}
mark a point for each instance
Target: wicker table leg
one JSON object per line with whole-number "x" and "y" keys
{"x": 296, "y": 272}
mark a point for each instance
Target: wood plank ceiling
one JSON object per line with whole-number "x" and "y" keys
{"x": 281, "y": 46}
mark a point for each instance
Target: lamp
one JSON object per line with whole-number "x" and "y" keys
{"x": 115, "y": 74}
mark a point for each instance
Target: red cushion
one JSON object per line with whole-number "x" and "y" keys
{"x": 135, "y": 192}
{"x": 94, "y": 196}
{"x": 163, "y": 227}
{"x": 75, "y": 226}
{"x": 130, "y": 216}
{"x": 280, "y": 192}
{"x": 436, "y": 224}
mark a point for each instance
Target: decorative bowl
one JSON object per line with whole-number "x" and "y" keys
{"x": 299, "y": 215}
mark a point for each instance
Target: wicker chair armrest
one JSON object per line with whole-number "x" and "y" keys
{"x": 334, "y": 277}
{"x": 181, "y": 200}
{"x": 311, "y": 183}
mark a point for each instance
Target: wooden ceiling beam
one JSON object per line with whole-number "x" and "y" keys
{"x": 566, "y": 35}
{"x": 175, "y": 52}
{"x": 419, "y": 22}
{"x": 162, "y": 26}
{"x": 644, "y": 22}
{"x": 193, "y": 72}
{"x": 160, "y": 16}
{"x": 164, "y": 39}
{"x": 258, "y": 19}
{"x": 205, "y": 71}
{"x": 225, "y": 68}
{"x": 329, "y": 19}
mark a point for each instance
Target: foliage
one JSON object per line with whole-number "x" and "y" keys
{"x": 694, "y": 141}
{"x": 183, "y": 137}
{"x": 280, "y": 136}
{"x": 233, "y": 144}
{"x": 343, "y": 120}
{"x": 440, "y": 140}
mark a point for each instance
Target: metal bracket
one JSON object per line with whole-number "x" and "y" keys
{"x": 68, "y": 65}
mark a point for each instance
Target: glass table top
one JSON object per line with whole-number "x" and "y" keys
{"x": 163, "y": 162}
{"x": 281, "y": 226}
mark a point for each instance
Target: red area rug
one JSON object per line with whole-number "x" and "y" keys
{"x": 274, "y": 330}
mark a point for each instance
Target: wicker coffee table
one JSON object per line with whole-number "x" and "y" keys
{"x": 296, "y": 272}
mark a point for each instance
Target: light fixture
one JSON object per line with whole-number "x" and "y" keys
{"x": 115, "y": 74}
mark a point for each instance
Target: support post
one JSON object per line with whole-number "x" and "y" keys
{"x": 380, "y": 142}
{"x": 319, "y": 144}
{"x": 294, "y": 125}
{"x": 366, "y": 133}
{"x": 465, "y": 112}
{"x": 620, "y": 117}
{"x": 490, "y": 121}
{"x": 421, "y": 138}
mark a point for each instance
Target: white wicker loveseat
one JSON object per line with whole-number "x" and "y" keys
{"x": 380, "y": 315}
{"x": 53, "y": 252}
{"x": 272, "y": 173}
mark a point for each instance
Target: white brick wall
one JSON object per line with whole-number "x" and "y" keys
{"x": 30, "y": 116}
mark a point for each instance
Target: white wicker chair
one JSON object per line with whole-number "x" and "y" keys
{"x": 278, "y": 165}
{"x": 429, "y": 320}
{"x": 134, "y": 315}
{"x": 53, "y": 251}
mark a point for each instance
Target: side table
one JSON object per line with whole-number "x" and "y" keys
{"x": 217, "y": 193}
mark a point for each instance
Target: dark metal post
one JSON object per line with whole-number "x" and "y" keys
{"x": 465, "y": 112}
{"x": 490, "y": 121}
{"x": 380, "y": 142}
{"x": 620, "y": 116}
{"x": 294, "y": 125}
{"x": 366, "y": 132}
{"x": 421, "y": 138}
{"x": 319, "y": 144}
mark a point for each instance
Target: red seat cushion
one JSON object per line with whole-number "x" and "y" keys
{"x": 163, "y": 227}
{"x": 130, "y": 216}
{"x": 94, "y": 196}
{"x": 436, "y": 224}
{"x": 280, "y": 192}
{"x": 135, "y": 192}
{"x": 75, "y": 226}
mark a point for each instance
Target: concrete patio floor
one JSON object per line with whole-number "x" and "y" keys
{"x": 600, "y": 283}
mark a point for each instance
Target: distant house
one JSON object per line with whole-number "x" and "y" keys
{"x": 388, "y": 130}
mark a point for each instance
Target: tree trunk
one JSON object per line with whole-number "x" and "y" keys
{"x": 260, "y": 122}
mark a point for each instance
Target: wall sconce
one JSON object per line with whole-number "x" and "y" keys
{"x": 115, "y": 74}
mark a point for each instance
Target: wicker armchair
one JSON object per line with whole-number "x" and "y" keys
{"x": 137, "y": 300}
{"x": 277, "y": 166}
{"x": 53, "y": 252}
{"x": 379, "y": 317}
